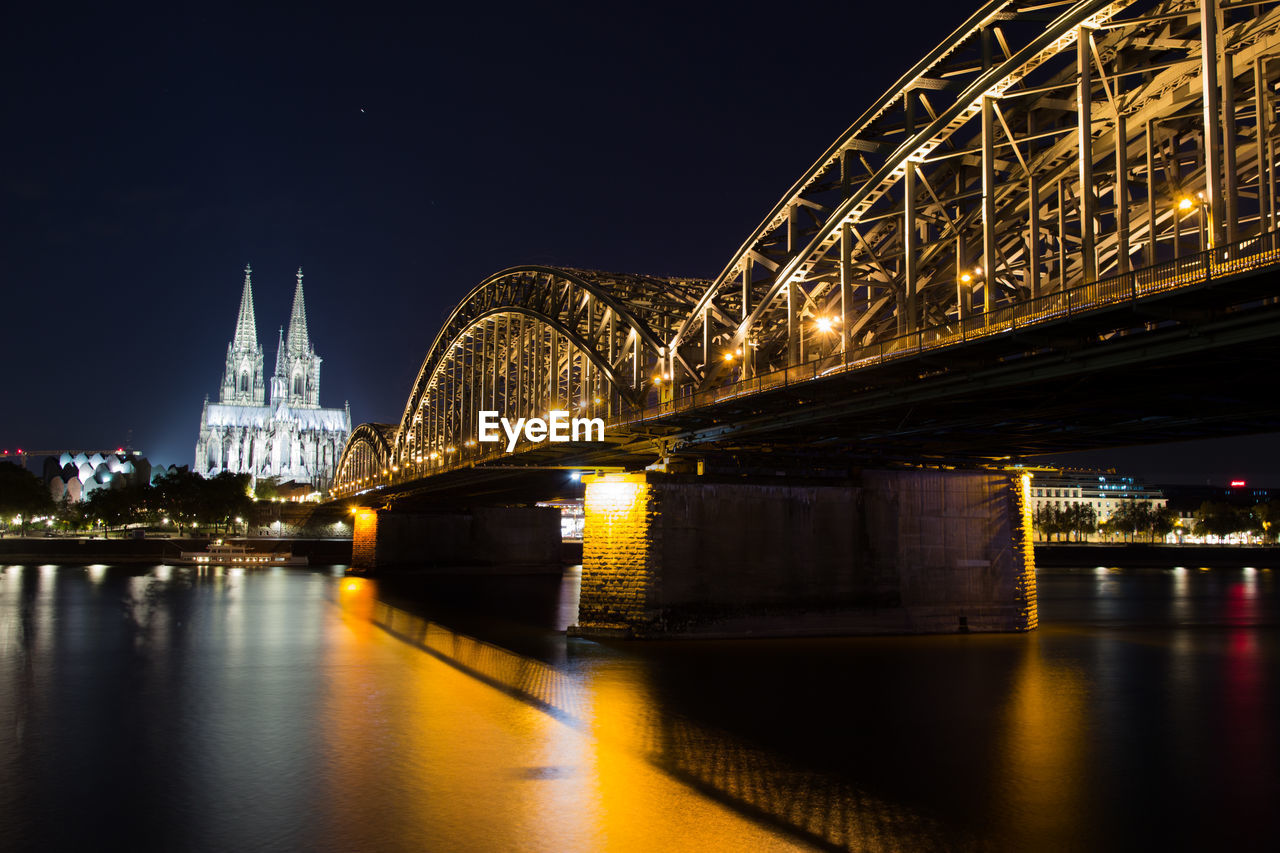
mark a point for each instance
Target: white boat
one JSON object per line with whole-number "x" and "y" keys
{"x": 219, "y": 553}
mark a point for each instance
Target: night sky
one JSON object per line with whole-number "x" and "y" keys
{"x": 399, "y": 155}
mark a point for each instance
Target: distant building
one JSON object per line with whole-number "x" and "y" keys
{"x": 286, "y": 434}
{"x": 1239, "y": 493}
{"x": 1105, "y": 491}
{"x": 75, "y": 476}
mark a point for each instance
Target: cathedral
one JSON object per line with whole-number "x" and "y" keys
{"x": 286, "y": 435}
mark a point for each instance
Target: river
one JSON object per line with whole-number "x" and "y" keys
{"x": 163, "y": 708}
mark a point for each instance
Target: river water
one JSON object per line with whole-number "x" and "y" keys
{"x": 172, "y": 709}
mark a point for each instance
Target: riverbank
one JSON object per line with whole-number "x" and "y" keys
{"x": 1141, "y": 555}
{"x": 84, "y": 550}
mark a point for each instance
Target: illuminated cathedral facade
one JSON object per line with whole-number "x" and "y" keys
{"x": 272, "y": 427}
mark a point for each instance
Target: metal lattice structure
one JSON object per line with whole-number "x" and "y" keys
{"x": 524, "y": 342}
{"x": 366, "y": 455}
{"x": 1041, "y": 148}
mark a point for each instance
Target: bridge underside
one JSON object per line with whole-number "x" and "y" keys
{"x": 1059, "y": 231}
{"x": 1192, "y": 364}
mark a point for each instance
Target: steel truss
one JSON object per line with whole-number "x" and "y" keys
{"x": 366, "y": 456}
{"x": 526, "y": 341}
{"x": 1042, "y": 147}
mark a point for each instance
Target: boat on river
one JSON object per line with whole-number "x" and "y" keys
{"x": 220, "y": 553}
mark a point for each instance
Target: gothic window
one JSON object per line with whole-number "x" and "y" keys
{"x": 244, "y": 382}
{"x": 297, "y": 385}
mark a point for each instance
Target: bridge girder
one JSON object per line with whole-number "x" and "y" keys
{"x": 921, "y": 214}
{"x": 1040, "y": 148}
{"x": 534, "y": 338}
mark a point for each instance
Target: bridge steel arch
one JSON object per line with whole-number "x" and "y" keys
{"x": 1042, "y": 147}
{"x": 366, "y": 456}
{"x": 1039, "y": 148}
{"x": 531, "y": 339}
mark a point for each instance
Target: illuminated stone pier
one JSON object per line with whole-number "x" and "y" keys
{"x": 915, "y": 551}
{"x": 482, "y": 539}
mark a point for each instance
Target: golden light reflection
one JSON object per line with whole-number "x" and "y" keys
{"x": 579, "y": 762}
{"x": 1047, "y": 738}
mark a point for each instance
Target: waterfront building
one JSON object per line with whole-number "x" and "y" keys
{"x": 1104, "y": 490}
{"x": 276, "y": 427}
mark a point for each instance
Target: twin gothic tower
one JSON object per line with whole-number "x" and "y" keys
{"x": 286, "y": 435}
{"x": 296, "y": 381}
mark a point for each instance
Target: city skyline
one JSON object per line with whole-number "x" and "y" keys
{"x": 399, "y": 161}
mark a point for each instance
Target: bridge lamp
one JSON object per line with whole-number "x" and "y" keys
{"x": 657, "y": 380}
{"x": 394, "y": 468}
{"x": 824, "y": 324}
{"x": 1185, "y": 203}
{"x": 575, "y": 476}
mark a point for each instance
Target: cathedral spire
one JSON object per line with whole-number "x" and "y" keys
{"x": 246, "y": 337}
{"x": 242, "y": 381}
{"x": 298, "y": 341}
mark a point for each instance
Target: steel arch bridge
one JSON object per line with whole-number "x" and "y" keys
{"x": 1047, "y": 156}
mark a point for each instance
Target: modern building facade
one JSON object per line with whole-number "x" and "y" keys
{"x": 73, "y": 476}
{"x": 272, "y": 427}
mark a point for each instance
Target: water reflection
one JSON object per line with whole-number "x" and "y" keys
{"x": 213, "y": 709}
{"x": 1047, "y": 739}
{"x": 568, "y": 761}
{"x": 613, "y": 704}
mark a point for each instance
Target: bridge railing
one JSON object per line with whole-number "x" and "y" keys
{"x": 1252, "y": 253}
{"x": 1249, "y": 254}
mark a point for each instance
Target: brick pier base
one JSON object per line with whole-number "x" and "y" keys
{"x": 890, "y": 552}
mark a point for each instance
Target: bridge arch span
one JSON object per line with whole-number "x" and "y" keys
{"x": 534, "y": 338}
{"x": 1036, "y": 150}
{"x": 1045, "y": 158}
{"x": 366, "y": 458}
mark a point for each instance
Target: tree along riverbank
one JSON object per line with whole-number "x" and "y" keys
{"x": 1142, "y": 555}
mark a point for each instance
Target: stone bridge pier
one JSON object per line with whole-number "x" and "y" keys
{"x": 893, "y": 551}
{"x": 472, "y": 541}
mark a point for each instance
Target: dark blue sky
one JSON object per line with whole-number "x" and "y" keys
{"x": 399, "y": 154}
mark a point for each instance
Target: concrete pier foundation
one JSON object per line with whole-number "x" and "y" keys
{"x": 912, "y": 551}
{"x": 483, "y": 539}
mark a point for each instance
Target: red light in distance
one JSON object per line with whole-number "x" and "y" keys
{"x": 1237, "y": 484}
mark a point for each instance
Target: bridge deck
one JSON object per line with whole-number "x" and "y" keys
{"x": 1165, "y": 353}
